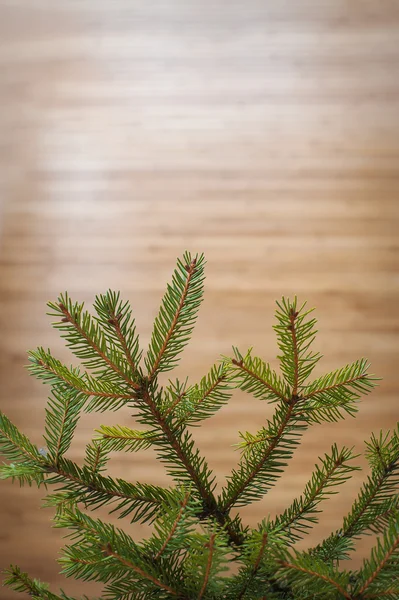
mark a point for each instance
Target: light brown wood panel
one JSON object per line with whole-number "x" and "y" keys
{"x": 263, "y": 134}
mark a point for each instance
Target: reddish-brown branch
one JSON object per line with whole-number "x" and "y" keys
{"x": 91, "y": 343}
{"x": 380, "y": 566}
{"x": 241, "y": 365}
{"x": 319, "y": 575}
{"x": 210, "y": 545}
{"x": 190, "y": 271}
{"x": 174, "y": 526}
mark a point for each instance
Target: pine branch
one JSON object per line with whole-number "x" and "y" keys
{"x": 210, "y": 546}
{"x": 176, "y": 448}
{"x": 200, "y": 401}
{"x": 116, "y": 318}
{"x": 383, "y": 566}
{"x": 295, "y": 335}
{"x": 262, "y": 463}
{"x": 177, "y": 315}
{"x": 334, "y": 470}
{"x": 256, "y": 377}
{"x": 311, "y": 574}
{"x": 62, "y": 416}
{"x": 256, "y": 566}
{"x": 119, "y": 438}
{"x": 105, "y": 392}
{"x": 141, "y": 502}
{"x": 19, "y": 581}
{"x": 328, "y": 396}
{"x": 88, "y": 341}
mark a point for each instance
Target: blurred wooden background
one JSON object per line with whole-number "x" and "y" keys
{"x": 264, "y": 134}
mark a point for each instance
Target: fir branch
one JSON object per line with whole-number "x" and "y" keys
{"x": 327, "y": 396}
{"x": 210, "y": 546}
{"x": 19, "y": 581}
{"x": 62, "y": 416}
{"x": 102, "y": 552}
{"x": 199, "y": 401}
{"x": 44, "y": 366}
{"x": 256, "y": 377}
{"x": 295, "y": 335}
{"x": 383, "y": 565}
{"x": 177, "y": 449}
{"x": 313, "y": 571}
{"x": 107, "y": 549}
{"x": 177, "y": 315}
{"x": 88, "y": 341}
{"x": 174, "y": 527}
{"x": 376, "y": 500}
{"x": 116, "y": 319}
{"x": 334, "y": 471}
{"x": 141, "y": 502}
{"x": 261, "y": 465}
{"x": 15, "y": 446}
{"x": 121, "y": 438}
{"x": 97, "y": 455}
{"x": 256, "y": 566}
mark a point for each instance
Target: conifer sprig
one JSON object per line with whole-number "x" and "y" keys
{"x": 177, "y": 315}
{"x": 195, "y": 534}
{"x": 88, "y": 341}
{"x": 106, "y": 394}
{"x": 335, "y": 470}
{"x": 19, "y": 581}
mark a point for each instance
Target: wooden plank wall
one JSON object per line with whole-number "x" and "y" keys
{"x": 264, "y": 134}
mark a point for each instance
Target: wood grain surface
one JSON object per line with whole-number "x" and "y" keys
{"x": 264, "y": 134}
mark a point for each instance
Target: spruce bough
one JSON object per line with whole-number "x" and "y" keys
{"x": 194, "y": 535}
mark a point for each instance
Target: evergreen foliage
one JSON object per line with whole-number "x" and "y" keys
{"x": 195, "y": 537}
